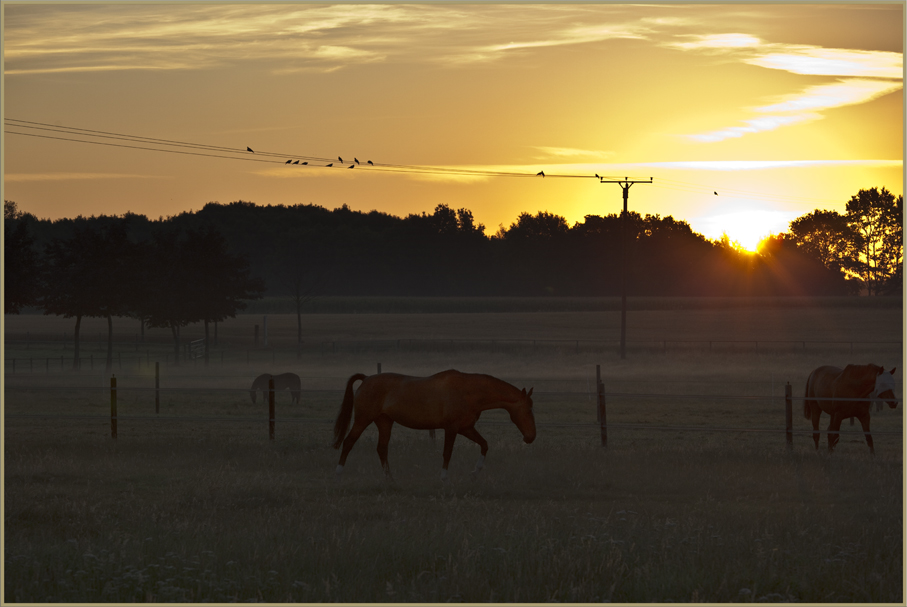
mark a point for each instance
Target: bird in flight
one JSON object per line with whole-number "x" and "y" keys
{"x": 371, "y": 163}
{"x": 248, "y": 149}
{"x": 716, "y": 193}
{"x": 542, "y": 173}
{"x": 330, "y": 165}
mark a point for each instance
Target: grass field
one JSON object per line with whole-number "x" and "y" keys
{"x": 181, "y": 508}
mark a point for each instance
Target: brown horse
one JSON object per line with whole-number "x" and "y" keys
{"x": 450, "y": 400}
{"x": 869, "y": 382}
{"x": 284, "y": 381}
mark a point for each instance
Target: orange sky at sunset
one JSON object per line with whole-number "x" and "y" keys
{"x": 780, "y": 109}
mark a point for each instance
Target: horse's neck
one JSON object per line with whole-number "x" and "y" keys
{"x": 501, "y": 395}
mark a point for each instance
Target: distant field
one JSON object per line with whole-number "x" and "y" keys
{"x": 198, "y": 504}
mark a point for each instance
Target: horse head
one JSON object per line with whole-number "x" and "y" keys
{"x": 521, "y": 415}
{"x": 884, "y": 388}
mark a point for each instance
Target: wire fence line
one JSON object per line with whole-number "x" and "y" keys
{"x": 627, "y": 395}
{"x": 619, "y": 426}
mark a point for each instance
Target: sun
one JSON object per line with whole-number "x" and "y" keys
{"x": 745, "y": 228}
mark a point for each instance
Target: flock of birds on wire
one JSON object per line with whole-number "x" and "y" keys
{"x": 43, "y": 130}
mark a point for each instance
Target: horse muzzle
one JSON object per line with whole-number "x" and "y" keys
{"x": 528, "y": 439}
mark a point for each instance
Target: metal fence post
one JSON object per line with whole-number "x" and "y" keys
{"x": 271, "y": 407}
{"x": 789, "y": 416}
{"x": 113, "y": 406}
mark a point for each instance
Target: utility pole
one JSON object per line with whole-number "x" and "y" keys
{"x": 625, "y": 186}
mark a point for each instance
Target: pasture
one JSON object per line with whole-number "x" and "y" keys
{"x": 197, "y": 504}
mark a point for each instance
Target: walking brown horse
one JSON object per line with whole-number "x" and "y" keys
{"x": 449, "y": 400}
{"x": 869, "y": 382}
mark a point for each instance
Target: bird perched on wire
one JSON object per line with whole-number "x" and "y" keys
{"x": 597, "y": 175}
{"x": 351, "y": 166}
{"x": 330, "y": 165}
{"x": 248, "y": 149}
{"x": 305, "y": 163}
{"x": 357, "y": 160}
{"x": 339, "y": 158}
{"x": 371, "y": 163}
{"x": 297, "y": 162}
{"x": 289, "y": 161}
{"x": 716, "y": 193}
{"x": 542, "y": 173}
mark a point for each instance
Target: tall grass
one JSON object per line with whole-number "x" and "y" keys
{"x": 224, "y": 518}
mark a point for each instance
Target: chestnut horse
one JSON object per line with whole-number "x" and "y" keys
{"x": 449, "y": 400}
{"x": 869, "y": 382}
{"x": 284, "y": 381}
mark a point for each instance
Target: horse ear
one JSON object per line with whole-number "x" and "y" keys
{"x": 530, "y": 392}
{"x": 892, "y": 370}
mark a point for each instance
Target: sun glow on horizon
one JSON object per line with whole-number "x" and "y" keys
{"x": 745, "y": 228}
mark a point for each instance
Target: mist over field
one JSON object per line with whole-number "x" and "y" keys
{"x": 696, "y": 497}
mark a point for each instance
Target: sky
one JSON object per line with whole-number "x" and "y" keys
{"x": 744, "y": 116}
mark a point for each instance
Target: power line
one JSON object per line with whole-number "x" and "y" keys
{"x": 79, "y": 135}
{"x": 303, "y": 161}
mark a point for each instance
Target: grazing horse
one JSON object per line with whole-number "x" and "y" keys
{"x": 854, "y": 381}
{"x": 284, "y": 381}
{"x": 449, "y": 400}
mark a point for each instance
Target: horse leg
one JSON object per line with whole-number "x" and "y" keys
{"x": 816, "y": 413}
{"x": 864, "y": 421}
{"x": 350, "y": 440}
{"x": 472, "y": 434}
{"x": 384, "y": 424}
{"x": 833, "y": 428}
{"x": 450, "y": 435}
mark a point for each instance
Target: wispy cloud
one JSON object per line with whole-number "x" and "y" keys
{"x": 296, "y": 37}
{"x": 862, "y": 77}
{"x": 555, "y": 152}
{"x": 817, "y": 61}
{"x": 74, "y": 176}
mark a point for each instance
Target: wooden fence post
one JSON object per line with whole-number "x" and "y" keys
{"x": 598, "y": 380}
{"x": 788, "y": 416}
{"x": 602, "y": 417}
{"x": 271, "y": 407}
{"x": 113, "y": 406}
{"x": 157, "y": 387}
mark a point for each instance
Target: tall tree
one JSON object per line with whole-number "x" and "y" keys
{"x": 22, "y": 268}
{"x": 876, "y": 218}
{"x": 197, "y": 279}
{"x": 827, "y": 236}
{"x": 88, "y": 275}
{"x": 220, "y": 282}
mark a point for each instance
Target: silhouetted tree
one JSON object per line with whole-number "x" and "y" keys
{"x": 196, "y": 279}
{"x": 22, "y": 268}
{"x": 876, "y": 218}
{"x": 88, "y": 274}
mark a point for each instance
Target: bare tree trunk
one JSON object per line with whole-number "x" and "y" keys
{"x": 109, "y": 343}
{"x": 76, "y": 363}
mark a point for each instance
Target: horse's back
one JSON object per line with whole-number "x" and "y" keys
{"x": 286, "y": 380}
{"x": 261, "y": 381}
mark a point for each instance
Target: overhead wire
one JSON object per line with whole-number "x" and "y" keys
{"x": 154, "y": 144}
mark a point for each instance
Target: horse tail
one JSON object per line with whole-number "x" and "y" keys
{"x": 807, "y": 409}
{"x": 346, "y": 411}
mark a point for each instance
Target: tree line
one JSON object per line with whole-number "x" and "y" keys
{"x": 203, "y": 265}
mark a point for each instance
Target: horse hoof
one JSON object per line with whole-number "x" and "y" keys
{"x": 338, "y": 470}
{"x": 444, "y": 475}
